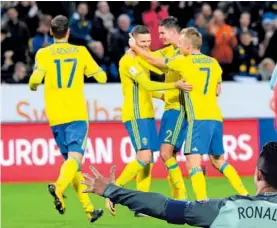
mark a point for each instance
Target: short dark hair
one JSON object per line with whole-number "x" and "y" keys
{"x": 170, "y": 22}
{"x": 267, "y": 163}
{"x": 59, "y": 26}
{"x": 140, "y": 29}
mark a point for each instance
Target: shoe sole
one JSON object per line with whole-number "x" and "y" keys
{"x": 57, "y": 202}
{"x": 99, "y": 215}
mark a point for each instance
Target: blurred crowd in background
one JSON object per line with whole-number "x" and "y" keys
{"x": 242, "y": 36}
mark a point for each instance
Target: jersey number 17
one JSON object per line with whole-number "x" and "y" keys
{"x": 208, "y": 73}
{"x": 59, "y": 74}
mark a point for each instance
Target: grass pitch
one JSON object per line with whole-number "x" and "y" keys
{"x": 30, "y": 206}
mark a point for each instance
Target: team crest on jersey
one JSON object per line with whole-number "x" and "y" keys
{"x": 132, "y": 71}
{"x": 144, "y": 141}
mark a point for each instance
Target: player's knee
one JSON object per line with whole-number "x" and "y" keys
{"x": 76, "y": 155}
{"x": 166, "y": 152}
{"x": 217, "y": 161}
{"x": 145, "y": 156}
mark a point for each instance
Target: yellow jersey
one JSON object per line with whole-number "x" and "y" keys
{"x": 137, "y": 87}
{"x": 63, "y": 66}
{"x": 204, "y": 74}
{"x": 174, "y": 99}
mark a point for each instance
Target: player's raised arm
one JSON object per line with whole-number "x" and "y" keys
{"x": 158, "y": 62}
{"x": 92, "y": 69}
{"x": 38, "y": 72}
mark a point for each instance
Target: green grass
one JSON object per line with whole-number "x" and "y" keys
{"x": 30, "y": 206}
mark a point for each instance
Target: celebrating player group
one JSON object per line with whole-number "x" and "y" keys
{"x": 191, "y": 117}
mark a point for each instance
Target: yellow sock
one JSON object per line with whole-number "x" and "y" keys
{"x": 83, "y": 197}
{"x": 231, "y": 174}
{"x": 176, "y": 176}
{"x": 172, "y": 188}
{"x": 143, "y": 179}
{"x": 67, "y": 173}
{"x": 198, "y": 183}
{"x": 130, "y": 171}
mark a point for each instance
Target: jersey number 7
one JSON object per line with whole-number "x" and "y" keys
{"x": 59, "y": 74}
{"x": 208, "y": 73}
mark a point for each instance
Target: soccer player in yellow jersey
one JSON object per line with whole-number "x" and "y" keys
{"x": 137, "y": 110}
{"x": 173, "y": 122}
{"x": 205, "y": 129}
{"x": 63, "y": 66}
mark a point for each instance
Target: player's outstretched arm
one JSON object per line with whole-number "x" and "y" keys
{"x": 158, "y": 62}
{"x": 153, "y": 204}
{"x": 138, "y": 74}
{"x": 38, "y": 72}
{"x": 92, "y": 69}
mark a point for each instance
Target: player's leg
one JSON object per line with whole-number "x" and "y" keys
{"x": 75, "y": 140}
{"x": 196, "y": 144}
{"x": 139, "y": 135}
{"x": 143, "y": 179}
{"x": 172, "y": 136}
{"x": 218, "y": 161}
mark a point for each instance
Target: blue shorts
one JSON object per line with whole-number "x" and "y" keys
{"x": 71, "y": 137}
{"x": 204, "y": 137}
{"x": 143, "y": 134}
{"x": 173, "y": 126}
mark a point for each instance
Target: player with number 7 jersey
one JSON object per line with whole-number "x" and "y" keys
{"x": 63, "y": 66}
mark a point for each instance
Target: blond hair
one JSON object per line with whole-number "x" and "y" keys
{"x": 193, "y": 36}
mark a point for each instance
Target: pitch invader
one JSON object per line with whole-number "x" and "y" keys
{"x": 138, "y": 112}
{"x": 63, "y": 66}
{"x": 205, "y": 129}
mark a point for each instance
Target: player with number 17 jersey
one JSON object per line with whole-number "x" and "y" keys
{"x": 63, "y": 66}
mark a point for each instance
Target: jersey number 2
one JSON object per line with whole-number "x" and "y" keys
{"x": 208, "y": 72}
{"x": 59, "y": 73}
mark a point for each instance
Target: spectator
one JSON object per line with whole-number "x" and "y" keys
{"x": 207, "y": 12}
{"x": 266, "y": 68}
{"x": 200, "y": 24}
{"x": 42, "y": 38}
{"x": 103, "y": 61}
{"x": 119, "y": 39}
{"x": 134, "y": 12}
{"x": 29, "y": 13}
{"x": 246, "y": 58}
{"x": 19, "y": 75}
{"x": 269, "y": 44}
{"x": 103, "y": 23}
{"x": 225, "y": 42}
{"x": 80, "y": 27}
{"x": 7, "y": 65}
{"x": 151, "y": 19}
{"x": 18, "y": 35}
{"x": 245, "y": 19}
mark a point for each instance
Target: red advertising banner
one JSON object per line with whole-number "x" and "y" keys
{"x": 28, "y": 152}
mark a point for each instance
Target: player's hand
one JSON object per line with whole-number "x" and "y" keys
{"x": 132, "y": 41}
{"x": 181, "y": 84}
{"x": 97, "y": 183}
